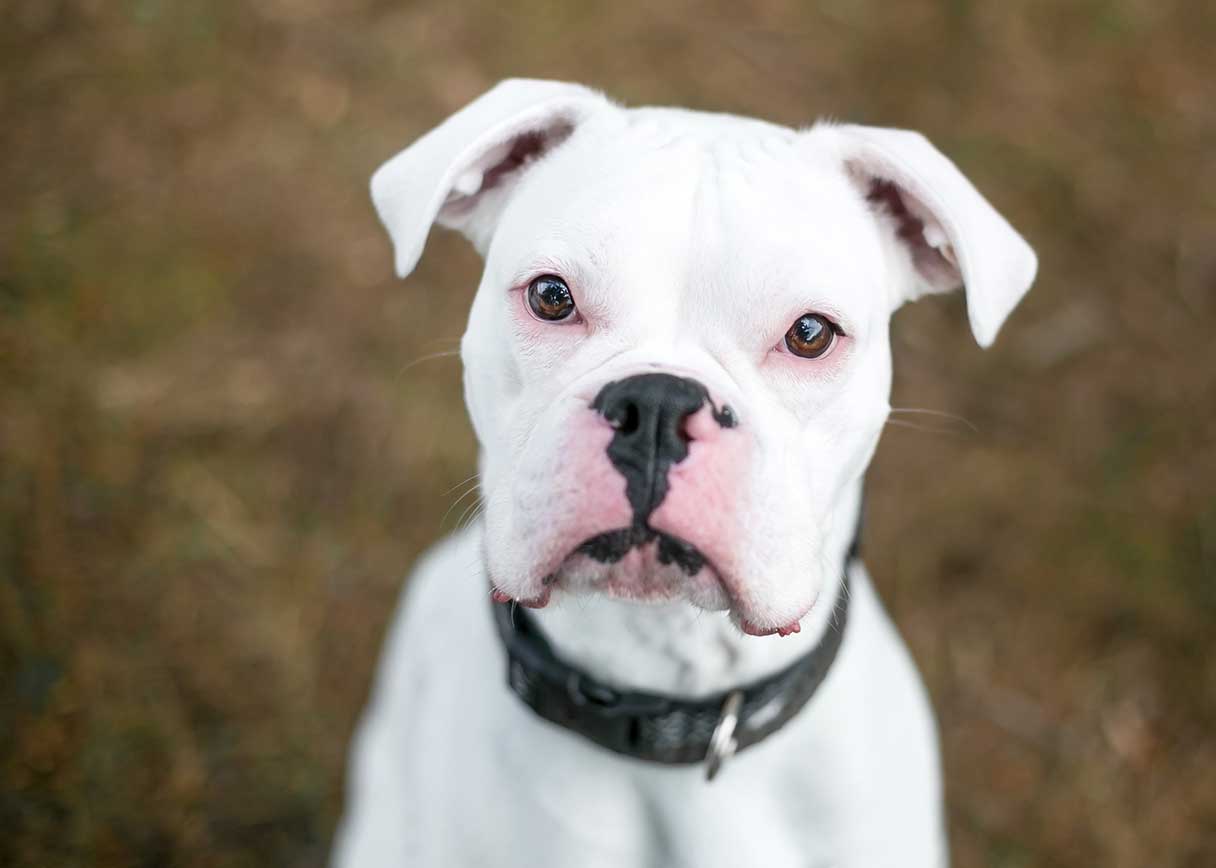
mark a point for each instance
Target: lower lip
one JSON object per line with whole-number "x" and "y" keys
{"x": 752, "y": 630}
{"x": 538, "y": 602}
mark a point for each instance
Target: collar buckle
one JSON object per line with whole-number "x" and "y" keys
{"x": 723, "y": 744}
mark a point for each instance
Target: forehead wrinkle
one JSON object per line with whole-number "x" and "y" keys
{"x": 595, "y": 199}
{"x": 728, "y": 234}
{"x": 706, "y": 229}
{"x": 743, "y": 251}
{"x": 636, "y": 222}
{"x": 790, "y": 236}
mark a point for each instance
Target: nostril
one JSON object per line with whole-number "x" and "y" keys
{"x": 632, "y": 419}
{"x": 626, "y": 418}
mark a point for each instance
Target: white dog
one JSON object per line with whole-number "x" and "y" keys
{"x": 677, "y": 365}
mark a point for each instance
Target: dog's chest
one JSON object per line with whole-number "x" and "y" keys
{"x": 478, "y": 779}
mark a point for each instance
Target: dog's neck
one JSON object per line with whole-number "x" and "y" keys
{"x": 680, "y": 650}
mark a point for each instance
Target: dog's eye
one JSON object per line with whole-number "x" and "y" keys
{"x": 550, "y": 298}
{"x": 811, "y": 336}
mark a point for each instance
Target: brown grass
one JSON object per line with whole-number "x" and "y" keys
{"x": 217, "y": 462}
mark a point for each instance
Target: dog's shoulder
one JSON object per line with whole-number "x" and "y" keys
{"x": 448, "y": 568}
{"x": 442, "y": 598}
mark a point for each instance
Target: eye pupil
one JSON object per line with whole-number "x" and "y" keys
{"x": 809, "y": 328}
{"x": 810, "y": 336}
{"x": 550, "y": 298}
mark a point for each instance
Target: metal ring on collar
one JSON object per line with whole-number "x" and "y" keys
{"x": 722, "y": 744}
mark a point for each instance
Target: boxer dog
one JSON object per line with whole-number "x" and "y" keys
{"x": 657, "y": 645}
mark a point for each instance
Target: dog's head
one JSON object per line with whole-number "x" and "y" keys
{"x": 677, "y": 363}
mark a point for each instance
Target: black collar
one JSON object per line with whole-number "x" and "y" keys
{"x": 655, "y": 727}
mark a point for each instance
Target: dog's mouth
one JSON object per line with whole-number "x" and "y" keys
{"x": 635, "y": 563}
{"x": 643, "y": 564}
{"x": 612, "y": 546}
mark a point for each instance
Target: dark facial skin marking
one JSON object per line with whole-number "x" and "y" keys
{"x": 725, "y": 417}
{"x": 673, "y": 550}
{"x": 610, "y": 547}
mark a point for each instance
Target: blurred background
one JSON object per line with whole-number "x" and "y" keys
{"x": 226, "y": 430}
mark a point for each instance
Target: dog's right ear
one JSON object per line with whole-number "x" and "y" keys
{"x": 460, "y": 174}
{"x": 952, "y": 234}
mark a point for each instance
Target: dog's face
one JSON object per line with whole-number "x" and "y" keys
{"x": 649, "y": 429}
{"x": 677, "y": 362}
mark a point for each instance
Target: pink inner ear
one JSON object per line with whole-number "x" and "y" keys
{"x": 931, "y": 254}
{"x": 500, "y": 163}
{"x": 524, "y": 148}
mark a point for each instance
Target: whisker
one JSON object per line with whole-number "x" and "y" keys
{"x": 439, "y": 355}
{"x": 838, "y": 606}
{"x": 455, "y": 502}
{"x": 477, "y": 514}
{"x": 461, "y": 482}
{"x": 472, "y": 507}
{"x": 473, "y": 486}
{"x": 941, "y": 413}
{"x": 472, "y": 520}
{"x": 924, "y": 429}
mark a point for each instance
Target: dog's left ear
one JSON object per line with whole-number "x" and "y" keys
{"x": 953, "y": 235}
{"x": 460, "y": 173}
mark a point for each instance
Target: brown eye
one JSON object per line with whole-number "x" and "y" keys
{"x": 550, "y": 298}
{"x": 810, "y": 336}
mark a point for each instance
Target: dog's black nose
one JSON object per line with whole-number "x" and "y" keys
{"x": 649, "y": 412}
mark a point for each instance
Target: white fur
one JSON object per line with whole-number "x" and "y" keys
{"x": 691, "y": 242}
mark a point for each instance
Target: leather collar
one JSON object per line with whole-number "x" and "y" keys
{"x": 656, "y": 727}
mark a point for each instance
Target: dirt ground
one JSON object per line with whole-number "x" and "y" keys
{"x": 226, "y": 431}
